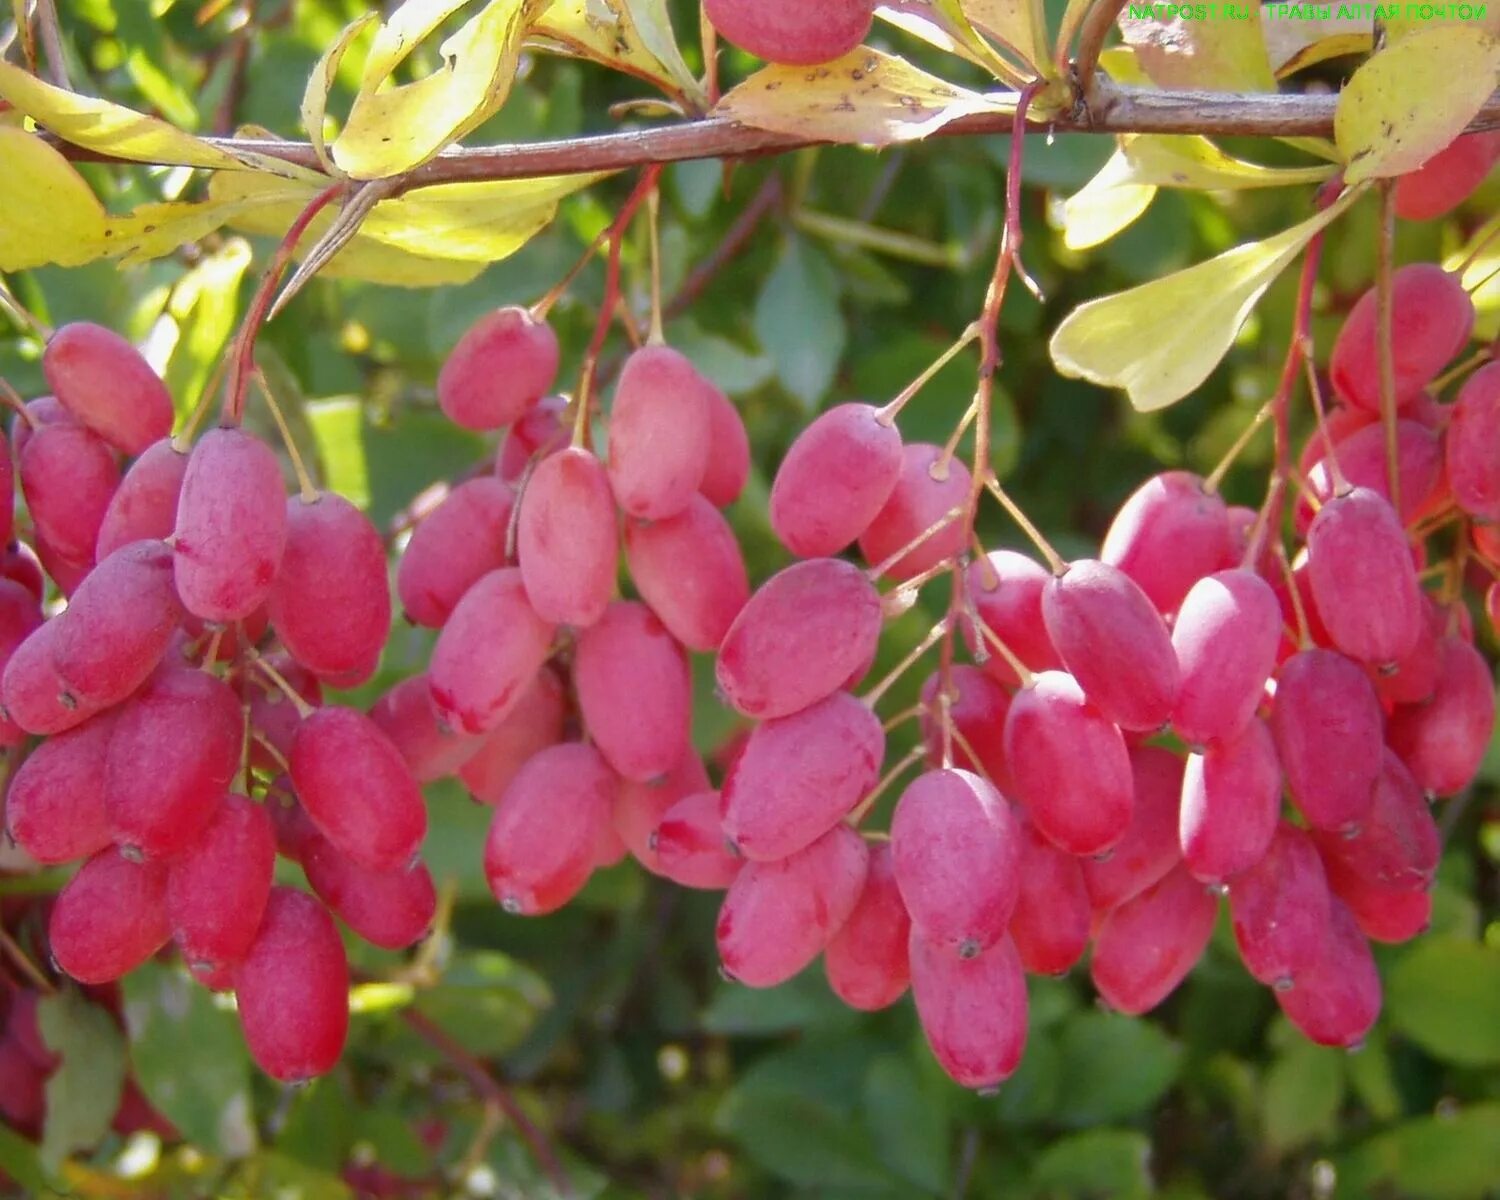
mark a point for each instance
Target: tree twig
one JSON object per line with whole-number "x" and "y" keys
{"x": 1096, "y": 26}
{"x": 491, "y": 1090}
{"x": 1113, "y": 108}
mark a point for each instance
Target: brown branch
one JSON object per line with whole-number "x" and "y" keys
{"x": 493, "y": 1091}
{"x": 1096, "y": 26}
{"x": 1112, "y": 109}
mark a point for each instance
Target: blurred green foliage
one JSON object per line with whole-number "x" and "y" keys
{"x": 651, "y": 1076}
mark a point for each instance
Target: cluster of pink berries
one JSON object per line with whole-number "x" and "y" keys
{"x": 164, "y": 728}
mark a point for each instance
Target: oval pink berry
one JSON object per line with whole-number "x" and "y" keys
{"x": 866, "y": 962}
{"x": 503, "y": 365}
{"x": 1170, "y": 533}
{"x": 689, "y": 569}
{"x": 659, "y": 430}
{"x": 102, "y": 380}
{"x": 834, "y": 480}
{"x": 973, "y": 1011}
{"x": 566, "y": 541}
{"x": 454, "y": 546}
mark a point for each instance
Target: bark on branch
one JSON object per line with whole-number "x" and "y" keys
{"x": 1112, "y": 109}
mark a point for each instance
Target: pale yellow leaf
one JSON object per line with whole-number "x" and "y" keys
{"x": 155, "y": 230}
{"x": 320, "y": 83}
{"x": 1210, "y": 55}
{"x": 394, "y": 129}
{"x": 944, "y": 24}
{"x": 1106, "y": 205}
{"x": 1018, "y": 24}
{"x": 1481, "y": 277}
{"x": 205, "y": 307}
{"x": 653, "y": 25}
{"x": 1162, "y": 339}
{"x": 121, "y": 132}
{"x": 48, "y": 214}
{"x": 412, "y": 23}
{"x": 607, "y": 32}
{"x": 1405, "y": 20}
{"x": 1293, "y": 54}
{"x": 867, "y": 98}
{"x": 1412, "y": 99}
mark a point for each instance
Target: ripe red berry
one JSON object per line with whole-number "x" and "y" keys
{"x": 1150, "y": 847}
{"x": 406, "y": 715}
{"x": 634, "y": 691}
{"x": 331, "y": 603}
{"x": 800, "y": 775}
{"x": 68, "y": 476}
{"x": 1170, "y": 533}
{"x": 639, "y": 807}
{"x": 145, "y": 503}
{"x": 834, "y": 480}
{"x": 1432, "y": 319}
{"x": 20, "y": 616}
{"x": 454, "y": 546}
{"x": 957, "y": 854}
{"x": 1336, "y": 1000}
{"x": 541, "y": 432}
{"x": 217, "y": 890}
{"x": 1448, "y": 178}
{"x": 866, "y": 962}
{"x": 689, "y": 569}
{"x": 808, "y": 631}
{"x": 1280, "y": 909}
{"x": 1146, "y": 947}
{"x": 1226, "y": 636}
{"x": 973, "y": 1011}
{"x": 1363, "y": 578}
{"x": 36, "y": 699}
{"x": 54, "y": 807}
{"x": 977, "y": 712}
{"x": 1050, "y": 926}
{"x": 389, "y": 909}
{"x": 488, "y": 653}
{"x": 103, "y": 382}
{"x": 782, "y": 31}
{"x": 118, "y": 624}
{"x": 357, "y": 789}
{"x": 566, "y": 540}
{"x": 777, "y": 916}
{"x": 175, "y": 750}
{"x": 1328, "y": 729}
{"x": 729, "y": 452}
{"x": 231, "y": 526}
{"x": 542, "y": 844}
{"x": 109, "y": 918}
{"x": 926, "y": 492}
{"x": 1114, "y": 643}
{"x": 1362, "y": 462}
{"x": 503, "y": 365}
{"x": 1398, "y": 844}
{"x": 1006, "y": 589}
{"x": 1474, "y": 444}
{"x": 659, "y": 430}
{"x": 689, "y": 844}
{"x": 1069, "y": 765}
{"x": 1231, "y": 799}
{"x": 273, "y": 716}
{"x": 538, "y": 720}
{"x": 1443, "y": 740}
{"x": 293, "y": 990}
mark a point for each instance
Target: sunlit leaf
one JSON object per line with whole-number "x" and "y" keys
{"x": 337, "y": 425}
{"x": 1160, "y": 340}
{"x": 320, "y": 83}
{"x": 1412, "y": 99}
{"x": 48, "y": 214}
{"x": 1107, "y": 204}
{"x": 1018, "y": 24}
{"x": 866, "y": 97}
{"x": 1297, "y": 45}
{"x": 119, "y": 131}
{"x": 205, "y": 305}
{"x": 394, "y": 129}
{"x": 408, "y": 26}
{"x": 84, "y": 1091}
{"x": 944, "y": 24}
{"x": 653, "y": 25}
{"x": 1402, "y": 21}
{"x": 1181, "y": 52}
{"x": 605, "y": 31}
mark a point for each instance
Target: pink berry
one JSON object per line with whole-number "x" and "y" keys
{"x": 973, "y": 1011}
{"x": 927, "y": 492}
{"x": 102, "y": 380}
{"x": 866, "y": 962}
{"x": 1146, "y": 947}
{"x": 659, "y": 432}
{"x": 502, "y": 366}
{"x": 834, "y": 480}
{"x": 1170, "y": 533}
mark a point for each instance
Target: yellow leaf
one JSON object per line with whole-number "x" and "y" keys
{"x": 403, "y": 31}
{"x": 1481, "y": 277}
{"x": 1412, "y": 99}
{"x": 121, "y": 132}
{"x": 1407, "y": 21}
{"x": 1160, "y": 340}
{"x": 653, "y": 25}
{"x": 866, "y": 97}
{"x": 944, "y": 24}
{"x": 1124, "y": 187}
{"x": 1218, "y": 56}
{"x": 320, "y": 83}
{"x": 607, "y": 32}
{"x": 205, "y": 307}
{"x": 154, "y": 230}
{"x": 48, "y": 214}
{"x": 395, "y": 129}
{"x": 1020, "y": 25}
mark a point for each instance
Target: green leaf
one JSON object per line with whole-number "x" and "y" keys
{"x": 798, "y": 321}
{"x": 84, "y": 1092}
{"x": 909, "y": 1123}
{"x": 166, "y": 1012}
{"x": 801, "y": 1003}
{"x": 488, "y": 1001}
{"x": 205, "y": 305}
{"x": 1412, "y": 99}
{"x": 19, "y": 1159}
{"x": 337, "y": 426}
{"x": 797, "y": 1138}
{"x": 1303, "y": 1091}
{"x": 1162, "y": 339}
{"x": 867, "y": 98}
{"x": 1450, "y": 1157}
{"x": 1102, "y": 1162}
{"x": 1112, "y": 1067}
{"x": 1444, "y": 994}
